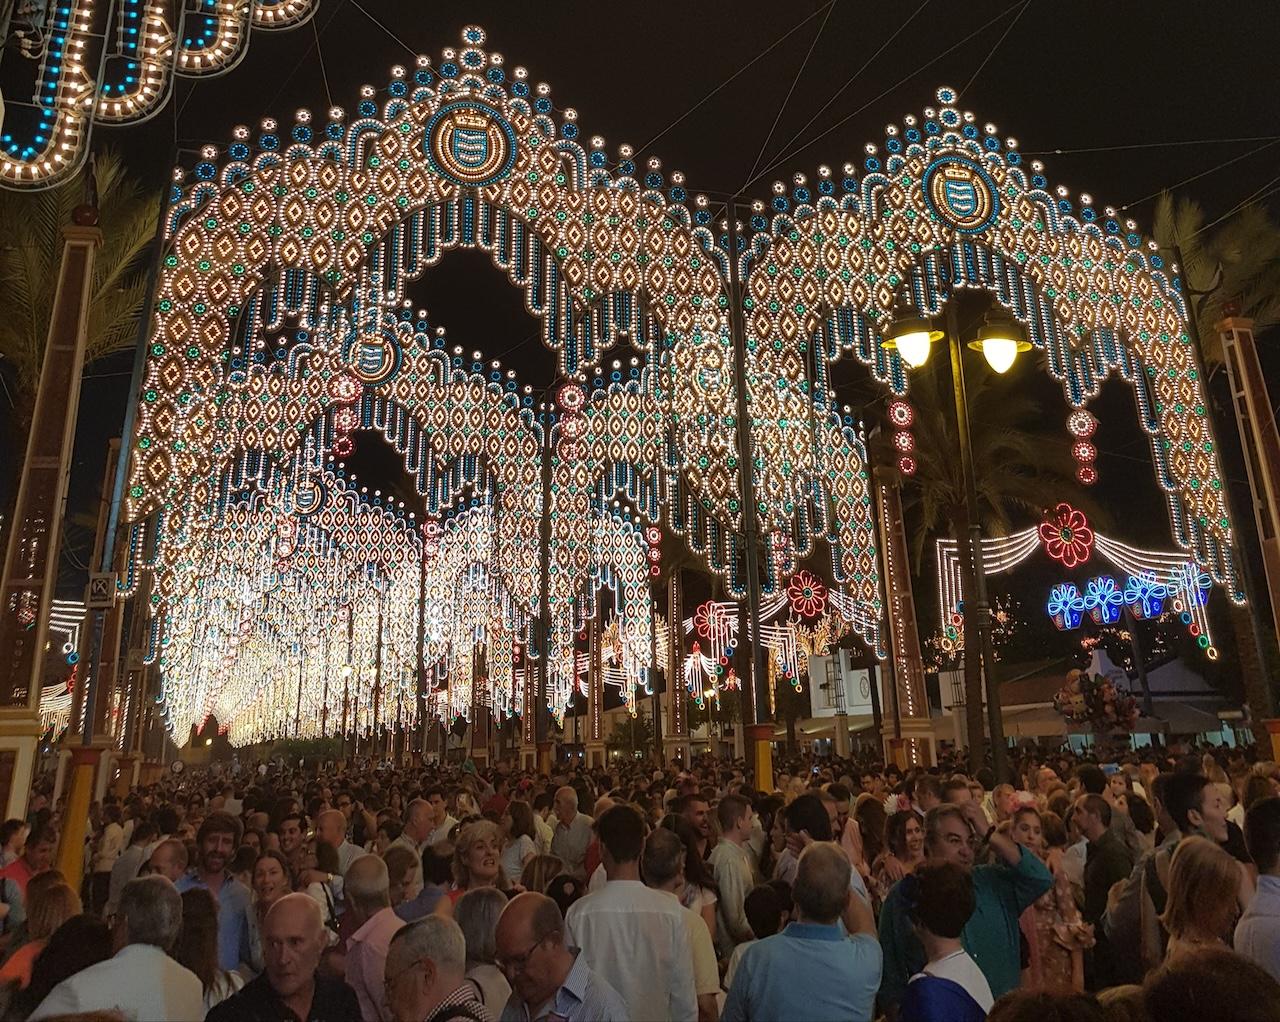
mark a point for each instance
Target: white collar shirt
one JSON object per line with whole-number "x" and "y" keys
{"x": 637, "y": 940}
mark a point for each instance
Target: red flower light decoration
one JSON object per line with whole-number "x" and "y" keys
{"x": 709, "y": 618}
{"x": 807, "y": 593}
{"x": 1066, "y": 536}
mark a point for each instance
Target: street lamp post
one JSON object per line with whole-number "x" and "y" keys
{"x": 1000, "y": 340}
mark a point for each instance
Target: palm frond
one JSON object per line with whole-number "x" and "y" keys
{"x": 30, "y": 261}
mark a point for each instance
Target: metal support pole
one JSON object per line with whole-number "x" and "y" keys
{"x": 540, "y": 720}
{"x": 746, "y": 472}
{"x": 1139, "y": 660}
{"x": 297, "y": 712}
{"x": 982, "y": 604}
{"x": 375, "y": 723}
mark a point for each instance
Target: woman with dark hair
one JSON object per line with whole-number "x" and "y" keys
{"x": 272, "y": 880}
{"x": 521, "y": 836}
{"x": 870, "y": 815}
{"x": 78, "y": 943}
{"x": 197, "y": 947}
{"x": 699, "y": 885}
{"x": 323, "y": 858}
{"x": 389, "y": 830}
{"x": 903, "y": 849}
{"x": 564, "y": 890}
{"x": 769, "y": 810}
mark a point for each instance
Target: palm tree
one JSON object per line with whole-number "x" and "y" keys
{"x": 1017, "y": 470}
{"x": 1237, "y": 261}
{"x": 30, "y": 257}
{"x": 1245, "y": 248}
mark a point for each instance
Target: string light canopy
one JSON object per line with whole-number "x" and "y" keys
{"x": 282, "y": 330}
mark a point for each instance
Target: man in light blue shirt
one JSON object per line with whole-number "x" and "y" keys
{"x": 548, "y": 978}
{"x": 813, "y": 969}
{"x": 216, "y": 843}
{"x": 1258, "y": 932}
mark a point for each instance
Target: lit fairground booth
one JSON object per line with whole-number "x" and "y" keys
{"x": 693, "y": 422}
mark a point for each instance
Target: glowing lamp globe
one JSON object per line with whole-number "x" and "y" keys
{"x": 912, "y": 335}
{"x": 1000, "y": 339}
{"x": 914, "y": 348}
{"x": 1000, "y": 353}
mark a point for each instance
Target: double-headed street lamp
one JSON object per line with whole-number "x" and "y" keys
{"x": 1000, "y": 339}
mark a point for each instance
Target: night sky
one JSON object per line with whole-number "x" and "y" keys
{"x": 1110, "y": 84}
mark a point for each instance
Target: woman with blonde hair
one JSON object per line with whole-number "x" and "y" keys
{"x": 1204, "y": 883}
{"x": 540, "y": 871}
{"x": 50, "y": 908}
{"x": 477, "y": 859}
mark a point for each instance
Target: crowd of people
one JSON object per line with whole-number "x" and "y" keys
{"x": 1147, "y": 889}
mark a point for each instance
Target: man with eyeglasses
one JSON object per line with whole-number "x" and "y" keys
{"x": 1002, "y": 891}
{"x": 549, "y": 980}
{"x": 426, "y": 975}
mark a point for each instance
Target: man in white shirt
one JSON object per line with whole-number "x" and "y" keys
{"x": 663, "y": 868}
{"x": 572, "y": 832}
{"x": 418, "y": 827}
{"x": 636, "y": 939}
{"x": 141, "y": 981}
{"x": 441, "y": 821}
{"x": 542, "y": 810}
{"x": 129, "y": 865}
{"x": 731, "y": 866}
{"x": 331, "y": 827}
{"x": 1257, "y": 935}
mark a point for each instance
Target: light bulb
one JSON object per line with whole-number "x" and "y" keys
{"x": 914, "y": 348}
{"x": 999, "y": 352}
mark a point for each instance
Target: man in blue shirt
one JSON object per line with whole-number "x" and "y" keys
{"x": 813, "y": 969}
{"x": 216, "y": 842}
{"x": 954, "y": 833}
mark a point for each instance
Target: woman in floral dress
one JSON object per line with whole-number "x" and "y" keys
{"x": 1056, "y": 935}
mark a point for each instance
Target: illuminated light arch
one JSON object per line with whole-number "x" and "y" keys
{"x": 324, "y": 215}
{"x": 322, "y": 230}
{"x": 829, "y": 266}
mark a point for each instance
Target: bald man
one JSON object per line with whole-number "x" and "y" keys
{"x": 366, "y": 960}
{"x": 331, "y": 828}
{"x": 169, "y": 860}
{"x": 293, "y": 939}
{"x": 547, "y": 977}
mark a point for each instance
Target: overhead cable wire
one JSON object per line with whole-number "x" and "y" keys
{"x": 1204, "y": 173}
{"x": 791, "y": 91}
{"x": 1151, "y": 145}
{"x": 753, "y": 61}
{"x": 1257, "y": 195}
{"x": 992, "y": 52}
{"x": 876, "y": 99}
{"x": 323, "y": 73}
{"x": 301, "y": 60}
{"x": 852, "y": 78}
{"x": 363, "y": 10}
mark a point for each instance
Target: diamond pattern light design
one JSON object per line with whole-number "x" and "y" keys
{"x": 281, "y": 330}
